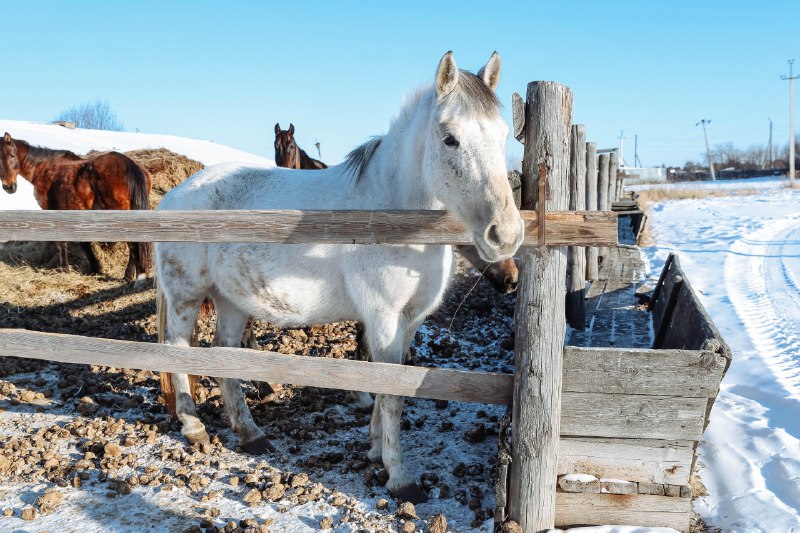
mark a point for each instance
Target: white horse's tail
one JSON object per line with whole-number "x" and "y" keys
{"x": 167, "y": 390}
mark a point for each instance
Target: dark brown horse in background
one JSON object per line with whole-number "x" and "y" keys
{"x": 289, "y": 155}
{"x": 64, "y": 180}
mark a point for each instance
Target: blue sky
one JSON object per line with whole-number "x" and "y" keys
{"x": 228, "y": 71}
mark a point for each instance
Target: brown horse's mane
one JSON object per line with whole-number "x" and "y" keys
{"x": 39, "y": 154}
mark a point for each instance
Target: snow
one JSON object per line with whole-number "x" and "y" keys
{"x": 742, "y": 255}
{"x": 81, "y": 141}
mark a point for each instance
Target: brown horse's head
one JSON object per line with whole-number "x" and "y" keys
{"x": 9, "y": 164}
{"x": 286, "y": 152}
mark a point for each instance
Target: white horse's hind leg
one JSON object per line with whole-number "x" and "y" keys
{"x": 181, "y": 317}
{"x": 231, "y": 322}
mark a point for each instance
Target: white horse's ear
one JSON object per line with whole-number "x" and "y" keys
{"x": 490, "y": 74}
{"x": 446, "y": 75}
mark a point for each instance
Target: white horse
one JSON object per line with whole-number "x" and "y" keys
{"x": 446, "y": 150}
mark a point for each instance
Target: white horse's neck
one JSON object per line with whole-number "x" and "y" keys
{"x": 396, "y": 175}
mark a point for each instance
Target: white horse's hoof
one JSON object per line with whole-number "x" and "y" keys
{"x": 258, "y": 446}
{"x": 409, "y": 493}
{"x": 200, "y": 437}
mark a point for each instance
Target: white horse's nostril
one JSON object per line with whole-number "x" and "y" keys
{"x": 493, "y": 237}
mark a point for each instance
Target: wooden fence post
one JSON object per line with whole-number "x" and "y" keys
{"x": 576, "y": 258}
{"x": 603, "y": 201}
{"x": 591, "y": 205}
{"x": 539, "y": 314}
{"x": 613, "y": 166}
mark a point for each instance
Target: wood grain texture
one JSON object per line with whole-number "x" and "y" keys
{"x": 613, "y": 167}
{"x": 539, "y": 314}
{"x": 649, "y": 460}
{"x": 289, "y": 227}
{"x": 576, "y": 255}
{"x": 635, "y": 510}
{"x": 632, "y": 415}
{"x": 591, "y": 205}
{"x": 682, "y": 373}
{"x": 380, "y": 378}
{"x": 518, "y": 116}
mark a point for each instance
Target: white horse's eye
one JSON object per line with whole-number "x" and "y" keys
{"x": 449, "y": 140}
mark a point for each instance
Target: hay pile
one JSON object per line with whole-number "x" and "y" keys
{"x": 167, "y": 169}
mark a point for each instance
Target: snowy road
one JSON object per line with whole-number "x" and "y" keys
{"x": 742, "y": 255}
{"x": 763, "y": 278}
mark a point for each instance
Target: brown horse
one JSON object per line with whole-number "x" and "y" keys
{"x": 289, "y": 155}
{"x": 64, "y": 180}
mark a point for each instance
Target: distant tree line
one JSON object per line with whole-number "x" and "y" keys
{"x": 732, "y": 162}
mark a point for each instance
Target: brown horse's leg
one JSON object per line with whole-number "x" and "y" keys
{"x": 94, "y": 264}
{"x": 63, "y": 256}
{"x": 139, "y": 258}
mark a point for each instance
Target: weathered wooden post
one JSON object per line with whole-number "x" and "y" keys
{"x": 576, "y": 258}
{"x": 591, "y": 205}
{"x": 539, "y": 315}
{"x": 603, "y": 201}
{"x": 613, "y": 166}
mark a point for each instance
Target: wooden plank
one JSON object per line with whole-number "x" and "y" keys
{"x": 591, "y": 205}
{"x": 635, "y": 510}
{"x": 576, "y": 255}
{"x": 683, "y": 373}
{"x": 380, "y": 378}
{"x": 632, "y": 415}
{"x": 539, "y": 315}
{"x": 518, "y": 116}
{"x": 613, "y": 167}
{"x": 662, "y": 292}
{"x": 648, "y": 460}
{"x": 290, "y": 227}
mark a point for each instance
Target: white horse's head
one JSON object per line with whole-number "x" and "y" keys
{"x": 466, "y": 157}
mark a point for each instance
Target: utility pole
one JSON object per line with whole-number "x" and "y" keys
{"x": 636, "y": 161}
{"x": 621, "y": 139}
{"x": 708, "y": 149}
{"x": 791, "y": 121}
{"x": 768, "y": 162}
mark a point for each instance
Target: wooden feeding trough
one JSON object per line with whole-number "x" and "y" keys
{"x": 631, "y": 418}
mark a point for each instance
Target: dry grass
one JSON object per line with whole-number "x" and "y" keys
{"x": 647, "y": 197}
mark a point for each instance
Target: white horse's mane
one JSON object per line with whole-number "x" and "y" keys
{"x": 471, "y": 94}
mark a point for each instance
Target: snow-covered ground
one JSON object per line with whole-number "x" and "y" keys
{"x": 82, "y": 141}
{"x": 742, "y": 255}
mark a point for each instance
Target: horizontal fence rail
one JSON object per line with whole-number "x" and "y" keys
{"x": 592, "y": 228}
{"x": 379, "y": 378}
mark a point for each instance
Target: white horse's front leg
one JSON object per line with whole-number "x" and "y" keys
{"x": 386, "y": 338}
{"x": 231, "y": 322}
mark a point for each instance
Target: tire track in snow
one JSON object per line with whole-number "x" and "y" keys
{"x": 762, "y": 275}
